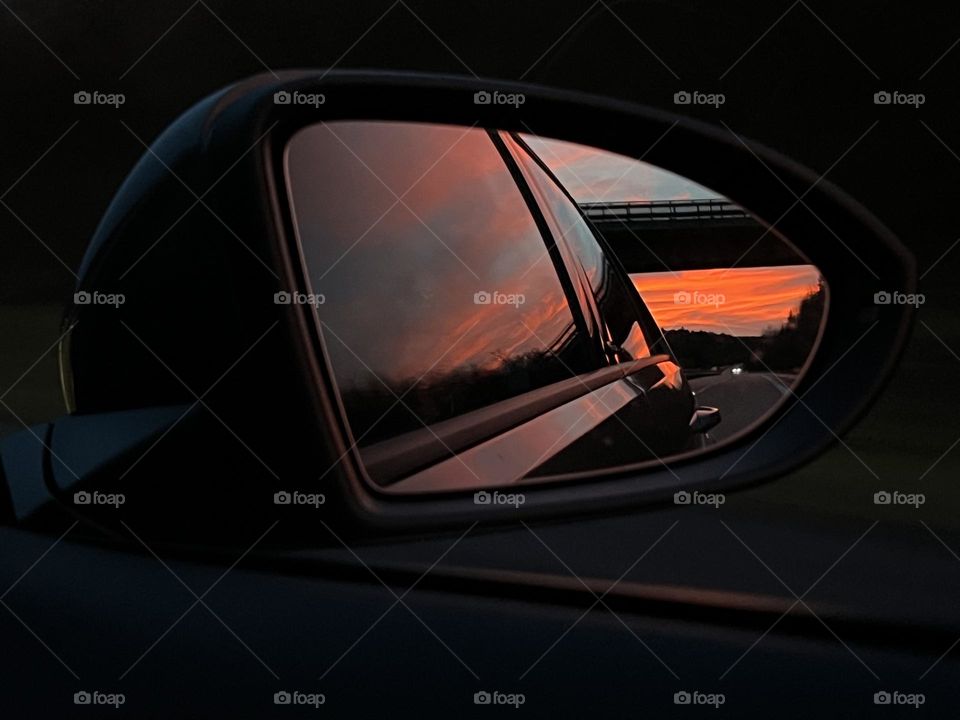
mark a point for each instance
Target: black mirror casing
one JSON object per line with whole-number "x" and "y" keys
{"x": 199, "y": 328}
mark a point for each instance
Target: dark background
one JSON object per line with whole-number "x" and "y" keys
{"x": 797, "y": 77}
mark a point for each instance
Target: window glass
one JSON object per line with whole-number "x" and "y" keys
{"x": 615, "y": 298}
{"x": 430, "y": 277}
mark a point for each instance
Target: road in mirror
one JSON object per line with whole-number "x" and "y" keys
{"x": 499, "y": 309}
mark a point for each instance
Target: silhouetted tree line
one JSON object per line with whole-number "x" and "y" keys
{"x": 704, "y": 350}
{"x": 787, "y": 348}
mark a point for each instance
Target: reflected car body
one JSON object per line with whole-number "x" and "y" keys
{"x": 479, "y": 331}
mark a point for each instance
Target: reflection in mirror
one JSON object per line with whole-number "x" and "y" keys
{"x": 498, "y": 308}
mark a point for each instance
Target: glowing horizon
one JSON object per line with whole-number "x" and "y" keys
{"x": 754, "y": 299}
{"x": 737, "y": 301}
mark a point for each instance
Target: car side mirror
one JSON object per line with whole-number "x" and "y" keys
{"x": 390, "y": 300}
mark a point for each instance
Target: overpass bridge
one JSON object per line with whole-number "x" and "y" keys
{"x": 657, "y": 235}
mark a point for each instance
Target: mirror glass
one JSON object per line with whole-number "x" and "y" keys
{"x": 498, "y": 308}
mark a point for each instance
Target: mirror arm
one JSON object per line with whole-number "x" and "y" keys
{"x": 704, "y": 418}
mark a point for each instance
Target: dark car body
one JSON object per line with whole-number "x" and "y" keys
{"x": 568, "y": 371}
{"x": 201, "y": 359}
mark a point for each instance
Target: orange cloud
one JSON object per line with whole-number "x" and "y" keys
{"x": 737, "y": 301}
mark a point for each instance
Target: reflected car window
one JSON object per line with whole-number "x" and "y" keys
{"x": 617, "y": 303}
{"x": 430, "y": 277}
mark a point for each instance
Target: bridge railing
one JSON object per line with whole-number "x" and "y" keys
{"x": 708, "y": 209}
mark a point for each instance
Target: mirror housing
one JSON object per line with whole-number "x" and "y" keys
{"x": 199, "y": 239}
